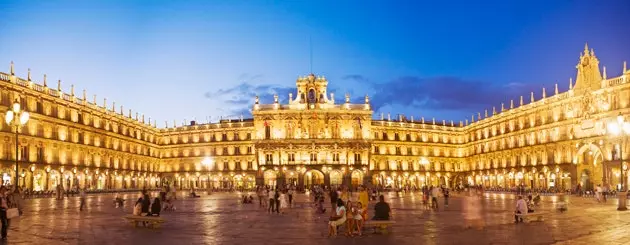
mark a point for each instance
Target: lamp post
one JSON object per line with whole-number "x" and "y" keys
{"x": 16, "y": 117}
{"x": 622, "y": 129}
{"x": 207, "y": 161}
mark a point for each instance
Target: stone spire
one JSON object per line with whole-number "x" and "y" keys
{"x": 556, "y": 89}
{"x": 624, "y": 67}
{"x": 105, "y": 103}
{"x": 494, "y": 110}
{"x": 136, "y": 115}
{"x": 389, "y": 117}
{"x": 604, "y": 75}
{"x": 472, "y": 118}
{"x": 570, "y": 83}
{"x": 72, "y": 90}
{"x": 45, "y": 85}
{"x": 512, "y": 104}
{"x": 114, "y": 106}
{"x": 502, "y": 107}
{"x": 84, "y": 95}
{"x": 434, "y": 121}
{"x": 486, "y": 114}
{"x": 59, "y": 85}
{"x": 94, "y": 99}
{"x": 28, "y": 77}
{"x": 531, "y": 96}
{"x": 544, "y": 93}
{"x": 521, "y": 100}
{"x": 12, "y": 71}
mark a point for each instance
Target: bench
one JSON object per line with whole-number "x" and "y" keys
{"x": 535, "y": 216}
{"x": 380, "y": 225}
{"x": 153, "y": 221}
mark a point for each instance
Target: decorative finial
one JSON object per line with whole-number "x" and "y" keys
{"x": 422, "y": 120}
{"x": 241, "y": 117}
{"x": 472, "y": 118}
{"x": 114, "y": 106}
{"x": 604, "y": 75}
{"x": 433, "y": 120}
{"x": 347, "y": 98}
{"x": 585, "y": 48}
{"x": 544, "y": 93}
{"x": 502, "y": 107}
{"x": 142, "y": 118}
{"x": 494, "y": 110}
{"x": 466, "y": 122}
{"x": 256, "y": 100}
{"x": 367, "y": 99}
{"x": 512, "y": 104}
{"x": 84, "y": 95}
{"x": 389, "y": 117}
{"x": 382, "y": 116}
{"x": 94, "y": 99}
{"x": 166, "y": 123}
{"x": 72, "y": 90}
{"x": 624, "y": 67}
{"x": 28, "y": 77}
{"x": 531, "y": 97}
{"x": 486, "y": 114}
{"x": 570, "y": 83}
{"x": 104, "y": 102}
{"x": 290, "y": 97}
{"x": 45, "y": 85}
{"x": 12, "y": 71}
{"x": 452, "y": 123}
{"x": 521, "y": 100}
{"x": 136, "y": 115}
{"x": 556, "y": 89}
{"x": 59, "y": 85}
{"x": 592, "y": 52}
{"x": 412, "y": 119}
{"x": 275, "y": 98}
{"x": 478, "y": 116}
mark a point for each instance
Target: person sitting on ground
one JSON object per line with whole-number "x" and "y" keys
{"x": 156, "y": 206}
{"x": 381, "y": 209}
{"x": 168, "y": 206}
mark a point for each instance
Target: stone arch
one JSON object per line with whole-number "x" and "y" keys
{"x": 589, "y": 169}
{"x": 313, "y": 177}
{"x": 356, "y": 177}
{"x": 269, "y": 177}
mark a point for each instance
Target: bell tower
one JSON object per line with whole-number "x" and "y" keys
{"x": 589, "y": 77}
{"x": 311, "y": 90}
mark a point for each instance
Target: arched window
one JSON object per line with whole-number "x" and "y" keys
{"x": 311, "y": 96}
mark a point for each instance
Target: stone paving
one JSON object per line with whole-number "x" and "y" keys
{"x": 220, "y": 219}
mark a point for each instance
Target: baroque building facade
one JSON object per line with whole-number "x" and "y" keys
{"x": 558, "y": 141}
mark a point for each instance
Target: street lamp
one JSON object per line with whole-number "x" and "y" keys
{"x": 207, "y": 161}
{"x": 622, "y": 129}
{"x": 16, "y": 117}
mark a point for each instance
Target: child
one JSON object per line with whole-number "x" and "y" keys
{"x": 359, "y": 217}
{"x": 349, "y": 218}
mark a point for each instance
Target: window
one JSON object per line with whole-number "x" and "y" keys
{"x": 408, "y": 137}
{"x": 409, "y": 151}
{"x": 396, "y": 137}
{"x": 336, "y": 157}
{"x": 24, "y": 153}
{"x": 224, "y": 137}
{"x": 384, "y": 136}
{"x": 40, "y": 154}
{"x": 269, "y": 158}
{"x": 291, "y": 157}
{"x": 250, "y": 165}
{"x": 237, "y": 165}
{"x": 357, "y": 158}
{"x": 249, "y": 136}
{"x": 267, "y": 132}
{"x": 225, "y": 151}
{"x": 225, "y": 165}
{"x": 249, "y": 150}
{"x": 314, "y": 157}
{"x": 398, "y": 150}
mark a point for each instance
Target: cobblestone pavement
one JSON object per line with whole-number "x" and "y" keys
{"x": 220, "y": 219}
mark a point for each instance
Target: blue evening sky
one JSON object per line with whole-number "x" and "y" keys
{"x": 176, "y": 60}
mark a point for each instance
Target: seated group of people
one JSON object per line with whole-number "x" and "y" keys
{"x": 248, "y": 200}
{"x": 354, "y": 216}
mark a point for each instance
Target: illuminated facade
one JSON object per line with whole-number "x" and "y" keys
{"x": 557, "y": 141}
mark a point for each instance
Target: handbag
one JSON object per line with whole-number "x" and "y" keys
{"x": 12, "y": 213}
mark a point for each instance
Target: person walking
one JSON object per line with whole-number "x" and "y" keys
{"x": 272, "y": 200}
{"x": 276, "y": 198}
{"x": 446, "y": 194}
{"x": 290, "y": 192}
{"x": 82, "y": 199}
{"x": 435, "y": 192}
{"x": 4, "y": 206}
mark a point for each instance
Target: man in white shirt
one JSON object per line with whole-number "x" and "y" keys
{"x": 272, "y": 200}
{"x": 435, "y": 192}
{"x": 521, "y": 208}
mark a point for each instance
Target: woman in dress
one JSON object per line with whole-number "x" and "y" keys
{"x": 284, "y": 202}
{"x": 338, "y": 218}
